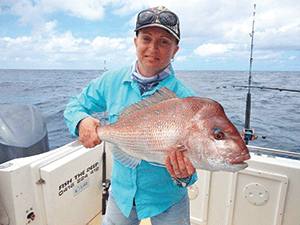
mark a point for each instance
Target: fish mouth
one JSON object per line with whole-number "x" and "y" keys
{"x": 236, "y": 167}
{"x": 240, "y": 160}
{"x": 231, "y": 167}
{"x": 240, "y": 164}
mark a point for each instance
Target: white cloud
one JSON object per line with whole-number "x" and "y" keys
{"x": 267, "y": 55}
{"x": 49, "y": 26}
{"x": 19, "y": 42}
{"x": 105, "y": 44}
{"x": 28, "y": 59}
{"x": 64, "y": 43}
{"x": 215, "y": 28}
{"x": 57, "y": 48}
{"x": 87, "y": 9}
{"x": 34, "y": 13}
{"x": 207, "y": 50}
{"x": 127, "y": 7}
{"x": 28, "y": 13}
{"x": 280, "y": 38}
{"x": 181, "y": 58}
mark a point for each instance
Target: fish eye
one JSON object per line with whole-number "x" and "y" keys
{"x": 219, "y": 135}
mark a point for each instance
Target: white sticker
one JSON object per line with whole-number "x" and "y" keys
{"x": 81, "y": 186}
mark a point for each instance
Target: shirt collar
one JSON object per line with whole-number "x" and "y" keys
{"x": 162, "y": 75}
{"x": 147, "y": 84}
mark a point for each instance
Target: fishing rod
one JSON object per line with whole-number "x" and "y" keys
{"x": 270, "y": 88}
{"x": 248, "y": 134}
{"x": 105, "y": 182}
{"x": 261, "y": 87}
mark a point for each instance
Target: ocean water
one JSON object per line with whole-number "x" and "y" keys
{"x": 274, "y": 114}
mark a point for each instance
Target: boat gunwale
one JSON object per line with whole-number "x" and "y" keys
{"x": 275, "y": 152}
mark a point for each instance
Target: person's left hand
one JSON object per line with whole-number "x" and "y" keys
{"x": 178, "y": 165}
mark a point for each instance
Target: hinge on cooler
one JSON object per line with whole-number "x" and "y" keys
{"x": 40, "y": 182}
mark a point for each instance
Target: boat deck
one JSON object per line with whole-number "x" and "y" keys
{"x": 97, "y": 221}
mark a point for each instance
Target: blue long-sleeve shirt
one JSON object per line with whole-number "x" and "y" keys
{"x": 150, "y": 186}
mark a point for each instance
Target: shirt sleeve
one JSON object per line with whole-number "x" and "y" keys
{"x": 90, "y": 100}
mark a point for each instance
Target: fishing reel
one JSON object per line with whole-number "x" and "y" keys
{"x": 248, "y": 134}
{"x": 105, "y": 185}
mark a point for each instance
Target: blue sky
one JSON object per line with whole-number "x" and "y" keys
{"x": 76, "y": 34}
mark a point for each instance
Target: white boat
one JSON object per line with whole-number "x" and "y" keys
{"x": 64, "y": 186}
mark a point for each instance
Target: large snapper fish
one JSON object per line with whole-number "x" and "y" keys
{"x": 163, "y": 123}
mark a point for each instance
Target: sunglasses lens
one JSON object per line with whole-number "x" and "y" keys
{"x": 145, "y": 17}
{"x": 168, "y": 18}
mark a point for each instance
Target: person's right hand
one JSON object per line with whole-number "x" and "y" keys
{"x": 87, "y": 129}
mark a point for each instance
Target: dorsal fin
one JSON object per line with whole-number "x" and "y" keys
{"x": 160, "y": 95}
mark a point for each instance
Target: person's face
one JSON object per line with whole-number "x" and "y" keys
{"x": 155, "y": 48}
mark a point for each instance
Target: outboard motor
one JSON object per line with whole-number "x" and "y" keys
{"x": 23, "y": 132}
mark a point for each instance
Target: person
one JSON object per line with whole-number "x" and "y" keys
{"x": 143, "y": 190}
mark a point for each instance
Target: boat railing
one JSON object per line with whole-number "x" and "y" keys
{"x": 274, "y": 152}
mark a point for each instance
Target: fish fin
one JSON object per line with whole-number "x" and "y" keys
{"x": 124, "y": 158}
{"x": 160, "y": 95}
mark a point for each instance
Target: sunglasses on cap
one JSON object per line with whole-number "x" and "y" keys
{"x": 165, "y": 19}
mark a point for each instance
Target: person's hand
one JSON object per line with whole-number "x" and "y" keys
{"x": 178, "y": 165}
{"x": 87, "y": 129}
